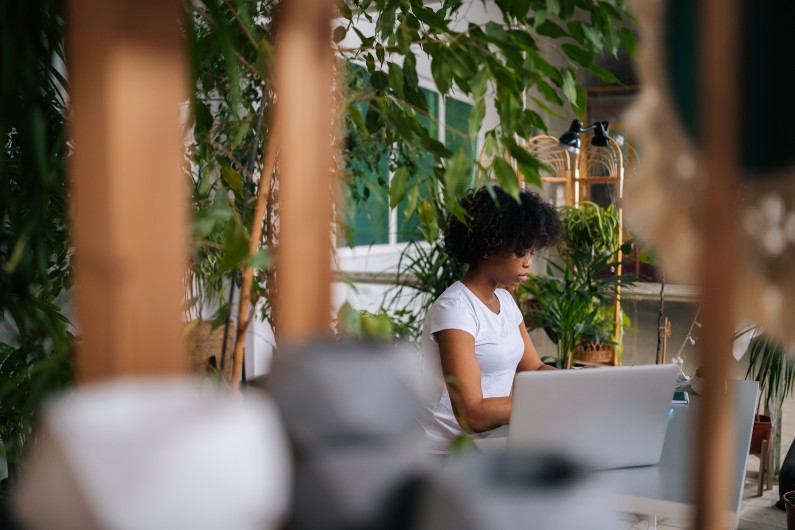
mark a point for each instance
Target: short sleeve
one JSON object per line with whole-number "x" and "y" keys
{"x": 452, "y": 314}
{"x": 514, "y": 313}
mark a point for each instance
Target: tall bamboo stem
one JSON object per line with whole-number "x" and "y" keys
{"x": 253, "y": 246}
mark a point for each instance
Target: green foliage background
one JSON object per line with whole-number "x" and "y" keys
{"x": 230, "y": 46}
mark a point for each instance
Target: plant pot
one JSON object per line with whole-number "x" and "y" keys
{"x": 595, "y": 352}
{"x": 789, "y": 503}
{"x": 761, "y": 431}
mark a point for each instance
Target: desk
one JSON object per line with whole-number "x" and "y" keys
{"x": 667, "y": 489}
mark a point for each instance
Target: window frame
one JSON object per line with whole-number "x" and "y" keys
{"x": 393, "y": 246}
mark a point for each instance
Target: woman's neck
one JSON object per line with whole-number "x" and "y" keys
{"x": 479, "y": 283}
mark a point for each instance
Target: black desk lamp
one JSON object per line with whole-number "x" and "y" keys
{"x": 570, "y": 140}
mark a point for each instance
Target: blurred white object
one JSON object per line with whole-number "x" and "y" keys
{"x": 538, "y": 491}
{"x": 742, "y": 341}
{"x": 154, "y": 454}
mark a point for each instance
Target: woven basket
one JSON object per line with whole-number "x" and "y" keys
{"x": 595, "y": 352}
{"x": 205, "y": 342}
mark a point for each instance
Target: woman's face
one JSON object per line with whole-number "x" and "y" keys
{"x": 506, "y": 268}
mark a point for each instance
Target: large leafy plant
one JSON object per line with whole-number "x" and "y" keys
{"x": 772, "y": 365}
{"x": 575, "y": 297}
{"x": 387, "y": 119}
{"x": 229, "y": 43}
{"x": 34, "y": 245}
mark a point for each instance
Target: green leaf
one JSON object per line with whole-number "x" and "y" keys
{"x": 581, "y": 103}
{"x": 462, "y": 66}
{"x": 204, "y": 184}
{"x": 240, "y": 133}
{"x": 550, "y": 29}
{"x": 410, "y": 71}
{"x": 603, "y": 74}
{"x": 232, "y": 179}
{"x": 576, "y": 30}
{"x": 577, "y": 54}
{"x": 395, "y": 78}
{"x": 442, "y": 73}
{"x": 569, "y": 86}
{"x": 339, "y": 34}
{"x": 539, "y": 17}
{"x": 506, "y": 177}
{"x": 457, "y": 177}
{"x": 373, "y": 120}
{"x": 261, "y": 259}
{"x": 397, "y": 188}
{"x": 377, "y": 327}
{"x": 628, "y": 41}
{"x": 549, "y": 93}
{"x": 379, "y": 80}
{"x": 345, "y": 11}
{"x": 412, "y": 200}
{"x": 480, "y": 84}
{"x": 432, "y": 19}
{"x": 461, "y": 444}
{"x": 203, "y": 118}
{"x": 495, "y": 30}
{"x": 475, "y": 119}
{"x": 593, "y": 38}
{"x": 235, "y": 248}
{"x": 428, "y": 222}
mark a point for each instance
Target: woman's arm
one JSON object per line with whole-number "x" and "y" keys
{"x": 462, "y": 376}
{"x": 530, "y": 360}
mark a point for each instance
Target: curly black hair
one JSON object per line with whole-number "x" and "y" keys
{"x": 497, "y": 222}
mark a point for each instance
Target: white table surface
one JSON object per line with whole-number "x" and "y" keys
{"x": 668, "y": 489}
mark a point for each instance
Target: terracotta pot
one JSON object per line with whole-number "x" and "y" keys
{"x": 761, "y": 431}
{"x": 789, "y": 502}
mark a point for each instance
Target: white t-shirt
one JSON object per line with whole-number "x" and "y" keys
{"x": 498, "y": 350}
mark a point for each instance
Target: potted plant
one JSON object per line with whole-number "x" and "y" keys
{"x": 774, "y": 369}
{"x": 574, "y": 301}
{"x": 789, "y": 503}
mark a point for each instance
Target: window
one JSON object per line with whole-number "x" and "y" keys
{"x": 372, "y": 222}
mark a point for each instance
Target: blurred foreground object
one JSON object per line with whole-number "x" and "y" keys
{"x": 668, "y": 204}
{"x": 516, "y": 491}
{"x": 129, "y": 222}
{"x": 699, "y": 188}
{"x": 351, "y": 410}
{"x": 157, "y": 453}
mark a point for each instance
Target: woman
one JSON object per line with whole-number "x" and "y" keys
{"x": 474, "y": 332}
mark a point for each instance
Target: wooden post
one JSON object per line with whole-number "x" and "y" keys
{"x": 305, "y": 80}
{"x": 718, "y": 125}
{"x": 129, "y": 213}
{"x": 619, "y": 179}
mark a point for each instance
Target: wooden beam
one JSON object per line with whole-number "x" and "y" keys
{"x": 305, "y": 79}
{"x": 129, "y": 216}
{"x": 718, "y": 123}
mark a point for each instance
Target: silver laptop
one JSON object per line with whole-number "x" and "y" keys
{"x": 605, "y": 418}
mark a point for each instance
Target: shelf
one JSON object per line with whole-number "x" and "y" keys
{"x": 651, "y": 291}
